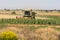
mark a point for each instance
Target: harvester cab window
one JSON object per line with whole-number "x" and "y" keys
{"x": 27, "y": 13}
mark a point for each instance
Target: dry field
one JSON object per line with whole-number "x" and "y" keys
{"x": 7, "y": 16}
{"x": 10, "y": 16}
{"x": 33, "y": 32}
{"x": 13, "y": 16}
{"x": 24, "y": 31}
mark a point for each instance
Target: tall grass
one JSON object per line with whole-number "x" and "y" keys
{"x": 29, "y": 21}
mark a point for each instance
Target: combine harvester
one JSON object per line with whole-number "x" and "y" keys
{"x": 27, "y": 14}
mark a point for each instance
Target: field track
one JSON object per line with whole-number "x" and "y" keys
{"x": 50, "y": 14}
{"x": 15, "y": 25}
{"x": 14, "y": 16}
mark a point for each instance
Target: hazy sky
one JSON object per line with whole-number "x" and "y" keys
{"x": 35, "y": 4}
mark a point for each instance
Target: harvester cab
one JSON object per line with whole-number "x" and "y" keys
{"x": 29, "y": 14}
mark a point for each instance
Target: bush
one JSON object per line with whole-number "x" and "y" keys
{"x": 8, "y": 35}
{"x": 14, "y": 12}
